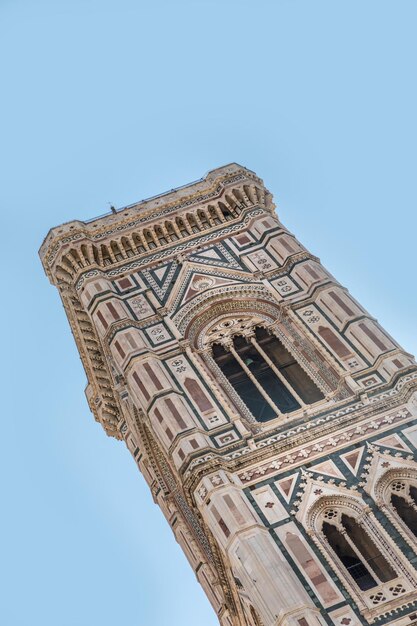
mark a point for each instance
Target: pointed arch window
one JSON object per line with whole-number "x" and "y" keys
{"x": 356, "y": 550}
{"x": 359, "y": 550}
{"x": 263, "y": 373}
{"x": 401, "y": 498}
{"x": 405, "y": 504}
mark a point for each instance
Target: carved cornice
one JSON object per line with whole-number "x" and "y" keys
{"x": 210, "y": 188}
{"x": 101, "y": 396}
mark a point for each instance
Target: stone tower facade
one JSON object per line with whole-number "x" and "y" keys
{"x": 272, "y": 417}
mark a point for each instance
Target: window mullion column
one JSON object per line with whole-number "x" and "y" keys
{"x": 411, "y": 503}
{"x": 409, "y": 499}
{"x": 276, "y": 371}
{"x": 230, "y": 346}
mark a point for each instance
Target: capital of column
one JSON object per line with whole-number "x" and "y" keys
{"x": 184, "y": 345}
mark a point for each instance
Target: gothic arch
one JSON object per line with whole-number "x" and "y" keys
{"x": 358, "y": 549}
{"x": 273, "y": 378}
{"x": 253, "y": 298}
{"x": 396, "y": 494}
{"x": 232, "y": 298}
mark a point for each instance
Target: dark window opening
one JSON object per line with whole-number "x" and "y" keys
{"x": 368, "y": 549}
{"x": 242, "y": 384}
{"x": 290, "y": 369}
{"x": 265, "y": 375}
{"x": 406, "y": 510}
{"x": 275, "y": 389}
{"x": 354, "y": 565}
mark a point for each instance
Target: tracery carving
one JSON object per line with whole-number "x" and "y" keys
{"x": 400, "y": 482}
{"x": 204, "y": 311}
{"x": 327, "y": 381}
{"x": 228, "y": 327}
{"x": 231, "y": 393}
{"x": 332, "y": 510}
{"x": 262, "y": 370}
{"x": 246, "y": 298}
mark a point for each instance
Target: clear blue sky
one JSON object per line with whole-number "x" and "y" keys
{"x": 113, "y": 101}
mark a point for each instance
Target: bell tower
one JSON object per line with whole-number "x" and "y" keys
{"x": 272, "y": 417}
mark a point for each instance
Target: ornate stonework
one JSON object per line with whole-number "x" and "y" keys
{"x": 272, "y": 417}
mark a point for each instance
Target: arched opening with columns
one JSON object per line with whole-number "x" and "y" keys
{"x": 359, "y": 554}
{"x": 262, "y": 365}
{"x": 404, "y": 502}
{"x": 358, "y": 549}
{"x": 396, "y": 492}
{"x": 263, "y": 373}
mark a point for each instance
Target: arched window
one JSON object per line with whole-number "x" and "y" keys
{"x": 225, "y": 211}
{"x": 105, "y": 255}
{"x": 262, "y": 372}
{"x": 352, "y": 539}
{"x": 399, "y": 494}
{"x": 404, "y": 501}
{"x": 127, "y": 247}
{"x": 359, "y": 549}
{"x": 116, "y": 251}
{"x": 356, "y": 550}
